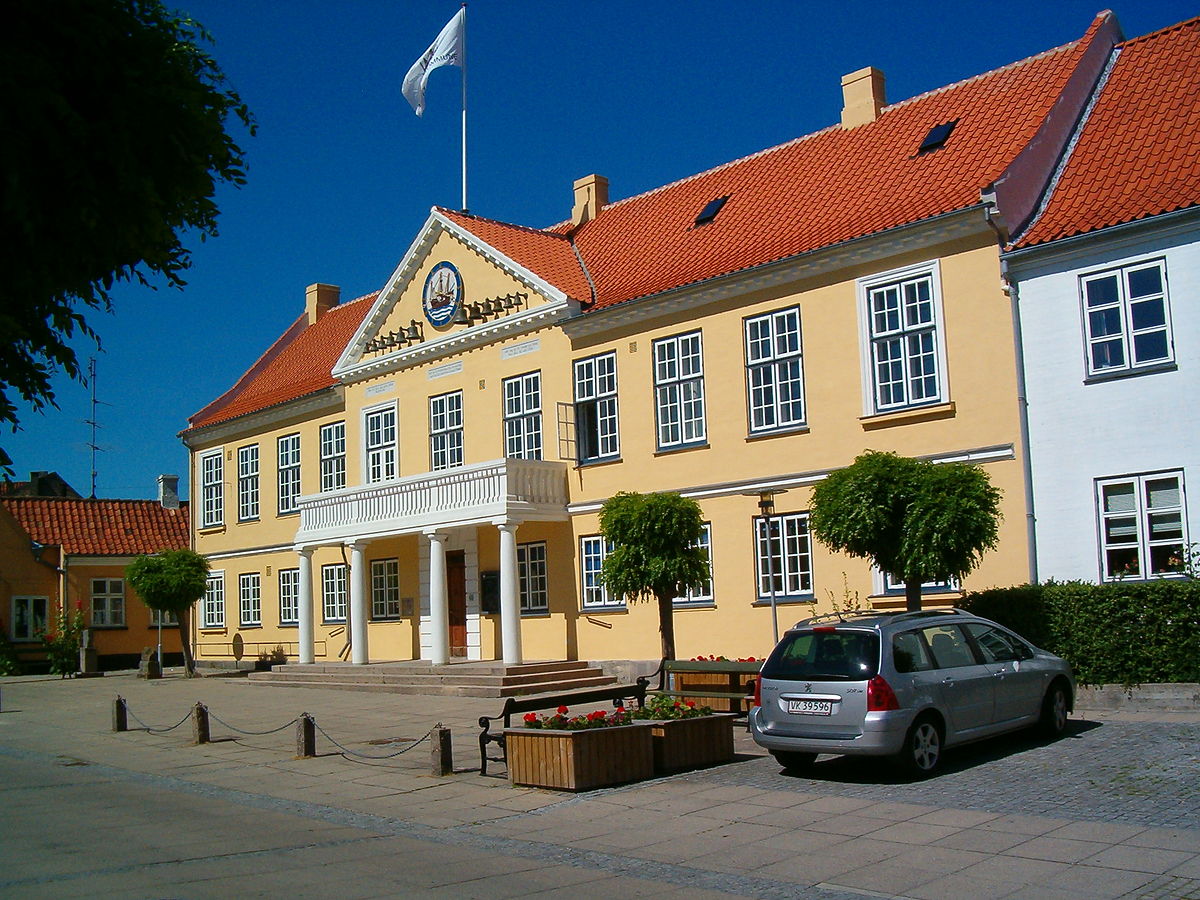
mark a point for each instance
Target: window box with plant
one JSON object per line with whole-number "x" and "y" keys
{"x": 578, "y": 753}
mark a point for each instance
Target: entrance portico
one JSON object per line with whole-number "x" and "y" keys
{"x": 439, "y": 507}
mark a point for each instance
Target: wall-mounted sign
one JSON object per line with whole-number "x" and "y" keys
{"x": 442, "y": 294}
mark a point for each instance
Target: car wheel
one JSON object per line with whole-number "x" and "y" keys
{"x": 793, "y": 759}
{"x": 1054, "y": 712}
{"x": 922, "y": 750}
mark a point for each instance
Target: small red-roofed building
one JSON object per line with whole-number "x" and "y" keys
{"x": 69, "y": 552}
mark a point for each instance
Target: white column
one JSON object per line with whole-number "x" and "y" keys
{"x": 305, "y": 604}
{"x": 510, "y": 597}
{"x": 439, "y": 606}
{"x": 358, "y": 606}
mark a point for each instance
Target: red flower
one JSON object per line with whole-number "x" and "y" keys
{"x": 530, "y": 717}
{"x": 562, "y": 710}
{"x": 691, "y": 704}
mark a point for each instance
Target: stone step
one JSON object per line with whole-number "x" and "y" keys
{"x": 434, "y": 688}
{"x": 365, "y": 675}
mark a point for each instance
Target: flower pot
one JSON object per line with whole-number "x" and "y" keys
{"x": 578, "y": 760}
{"x": 691, "y": 743}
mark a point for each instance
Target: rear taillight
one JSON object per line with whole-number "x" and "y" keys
{"x": 880, "y": 695}
{"x": 758, "y": 691}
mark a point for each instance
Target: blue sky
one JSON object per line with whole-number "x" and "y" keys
{"x": 342, "y": 173}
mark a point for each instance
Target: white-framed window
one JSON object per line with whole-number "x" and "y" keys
{"x": 385, "y": 589}
{"x": 334, "y": 592}
{"x": 333, "y": 456}
{"x": 29, "y": 617}
{"x": 1143, "y": 525}
{"x": 1127, "y": 318}
{"x": 446, "y": 431}
{"x": 108, "y": 602}
{"x": 212, "y": 488}
{"x": 531, "y": 577}
{"x": 592, "y": 550}
{"x": 379, "y": 426}
{"x": 523, "y": 416}
{"x": 247, "y": 482}
{"x": 214, "y": 601}
{"x": 783, "y": 556}
{"x": 890, "y": 584}
{"x": 596, "y": 432}
{"x": 679, "y": 390}
{"x": 289, "y": 473}
{"x": 904, "y": 344}
{"x": 250, "y": 599}
{"x": 704, "y": 595}
{"x": 775, "y": 371}
{"x": 289, "y": 596}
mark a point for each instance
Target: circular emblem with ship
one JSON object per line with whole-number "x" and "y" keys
{"x": 442, "y": 294}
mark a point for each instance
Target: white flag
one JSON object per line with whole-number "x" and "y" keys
{"x": 447, "y": 50}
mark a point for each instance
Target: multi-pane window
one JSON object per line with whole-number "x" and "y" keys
{"x": 248, "y": 482}
{"x": 29, "y": 616}
{"x": 596, "y": 408}
{"x": 380, "y": 426}
{"x": 108, "y": 602}
{"x": 902, "y": 318}
{"x": 212, "y": 489}
{"x": 250, "y": 599}
{"x": 592, "y": 550}
{"x": 705, "y": 594}
{"x": 783, "y": 551}
{"x": 679, "y": 390}
{"x": 163, "y": 617}
{"x": 385, "y": 589}
{"x": 214, "y": 601}
{"x": 1143, "y": 531}
{"x": 289, "y": 473}
{"x": 523, "y": 416}
{"x": 531, "y": 577}
{"x": 289, "y": 596}
{"x": 446, "y": 431}
{"x": 775, "y": 371}
{"x": 333, "y": 456}
{"x": 334, "y": 592}
{"x": 894, "y": 585}
{"x": 1127, "y": 318}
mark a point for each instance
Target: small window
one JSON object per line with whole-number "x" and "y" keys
{"x": 949, "y": 646}
{"x": 710, "y": 210}
{"x": 996, "y": 646}
{"x": 937, "y": 137}
{"x": 909, "y": 653}
{"x": 385, "y": 589}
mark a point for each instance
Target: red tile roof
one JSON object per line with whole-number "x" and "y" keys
{"x": 101, "y": 527}
{"x": 294, "y": 366}
{"x": 1136, "y": 155}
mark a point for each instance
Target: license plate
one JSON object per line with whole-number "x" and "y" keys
{"x": 810, "y": 707}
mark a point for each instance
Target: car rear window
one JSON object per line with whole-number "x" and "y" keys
{"x": 836, "y": 655}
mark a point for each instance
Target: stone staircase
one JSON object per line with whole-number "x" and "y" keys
{"x": 456, "y": 679}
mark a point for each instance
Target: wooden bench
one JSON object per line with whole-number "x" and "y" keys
{"x": 728, "y": 681}
{"x": 617, "y": 693}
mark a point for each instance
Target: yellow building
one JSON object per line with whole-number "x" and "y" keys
{"x": 417, "y": 474}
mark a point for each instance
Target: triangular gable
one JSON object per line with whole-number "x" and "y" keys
{"x": 399, "y": 331}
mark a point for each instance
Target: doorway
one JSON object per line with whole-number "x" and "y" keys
{"x": 456, "y": 598}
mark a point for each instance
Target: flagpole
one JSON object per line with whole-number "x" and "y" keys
{"x": 464, "y": 109}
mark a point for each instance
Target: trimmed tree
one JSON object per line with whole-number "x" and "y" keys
{"x": 655, "y": 552}
{"x": 171, "y": 581}
{"x": 916, "y": 520}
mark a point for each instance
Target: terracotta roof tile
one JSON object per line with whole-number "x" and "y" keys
{"x": 1136, "y": 154}
{"x": 101, "y": 527}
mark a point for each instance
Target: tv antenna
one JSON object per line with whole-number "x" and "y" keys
{"x": 95, "y": 448}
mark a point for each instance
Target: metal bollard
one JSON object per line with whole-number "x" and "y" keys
{"x": 442, "y": 754}
{"x": 120, "y": 717}
{"x": 306, "y": 737}
{"x": 199, "y": 723}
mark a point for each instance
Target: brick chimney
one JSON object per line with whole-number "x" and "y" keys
{"x": 320, "y": 299}
{"x": 862, "y": 97}
{"x": 168, "y": 491}
{"x": 591, "y": 196}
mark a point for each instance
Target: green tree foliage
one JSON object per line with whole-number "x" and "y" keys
{"x": 171, "y": 581}
{"x": 655, "y": 552}
{"x": 116, "y": 143}
{"x": 917, "y": 520}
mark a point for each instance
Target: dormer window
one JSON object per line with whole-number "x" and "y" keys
{"x": 937, "y": 137}
{"x": 710, "y": 211}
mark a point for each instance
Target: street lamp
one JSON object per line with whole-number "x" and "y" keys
{"x": 766, "y": 507}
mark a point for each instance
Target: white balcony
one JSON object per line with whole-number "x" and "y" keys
{"x": 516, "y": 490}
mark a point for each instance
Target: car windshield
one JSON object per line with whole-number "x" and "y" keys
{"x": 833, "y": 655}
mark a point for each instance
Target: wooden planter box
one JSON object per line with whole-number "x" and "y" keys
{"x": 691, "y": 743}
{"x": 578, "y": 760}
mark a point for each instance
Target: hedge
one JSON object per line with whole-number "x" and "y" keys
{"x": 1125, "y": 633}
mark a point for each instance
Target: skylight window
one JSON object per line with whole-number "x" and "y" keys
{"x": 937, "y": 137}
{"x": 710, "y": 211}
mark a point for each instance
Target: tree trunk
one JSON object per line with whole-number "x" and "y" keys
{"x": 666, "y": 625}
{"x": 912, "y": 594}
{"x": 189, "y": 664}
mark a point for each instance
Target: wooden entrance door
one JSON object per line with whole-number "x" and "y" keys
{"x": 456, "y": 596}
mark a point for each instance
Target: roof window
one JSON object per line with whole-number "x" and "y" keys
{"x": 710, "y": 211}
{"x": 937, "y": 136}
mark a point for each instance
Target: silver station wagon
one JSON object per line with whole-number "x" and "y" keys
{"x": 904, "y": 685}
